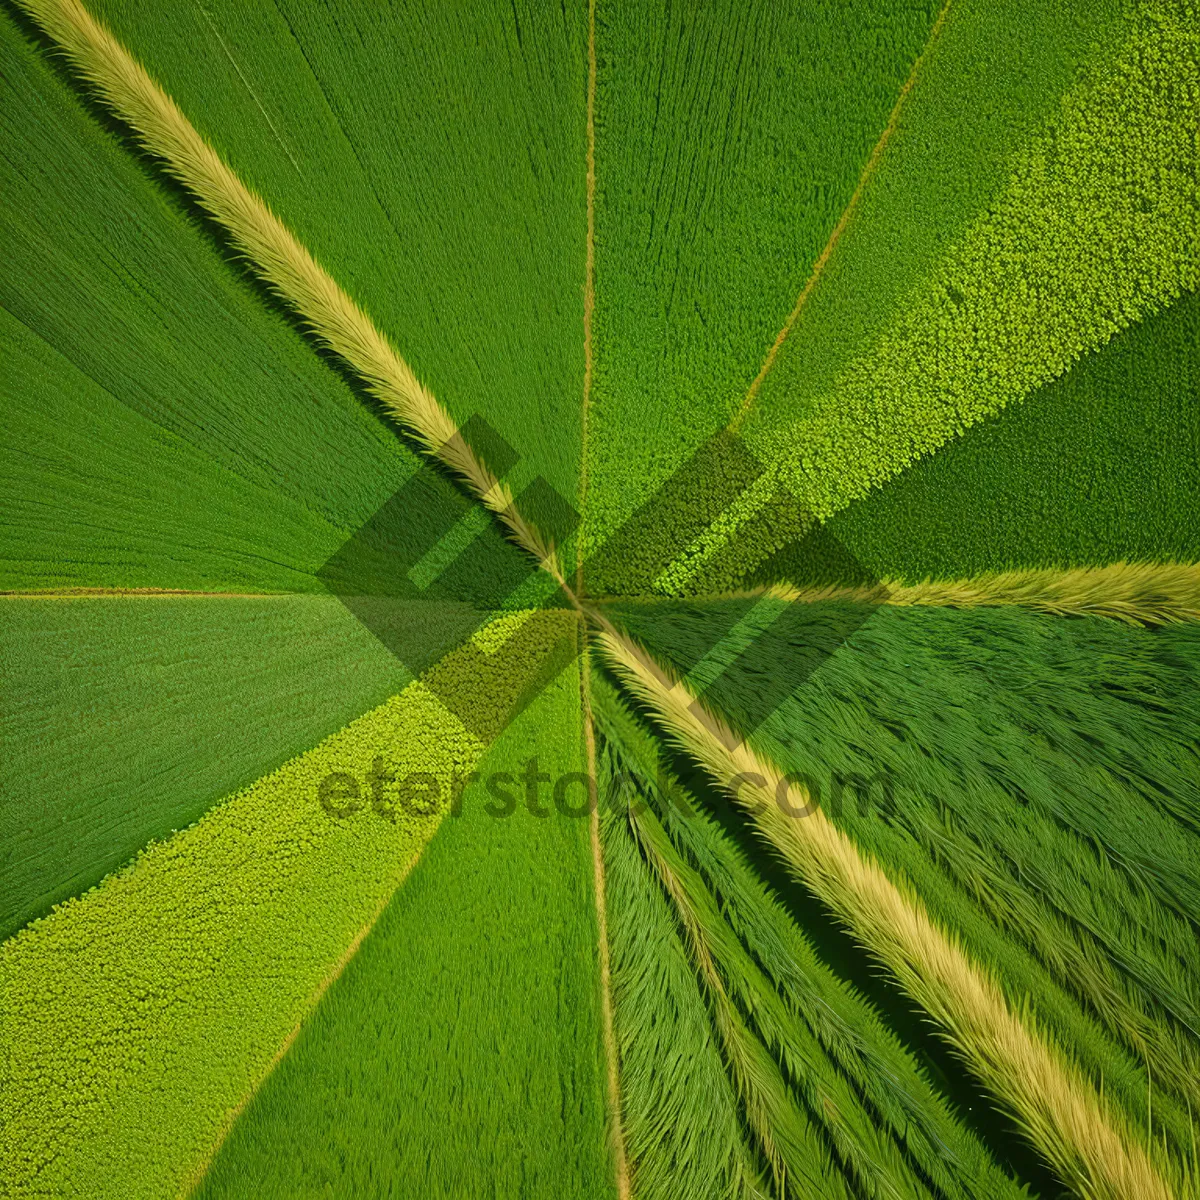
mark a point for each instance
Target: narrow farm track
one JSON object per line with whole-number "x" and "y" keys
{"x": 1063, "y": 1114}
{"x": 843, "y": 221}
{"x": 608, "y": 1032}
{"x": 611, "y": 1054}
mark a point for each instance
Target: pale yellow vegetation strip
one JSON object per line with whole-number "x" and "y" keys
{"x": 1136, "y": 593}
{"x": 840, "y": 228}
{"x": 1066, "y": 1118}
{"x": 275, "y": 254}
{"x": 612, "y": 1059}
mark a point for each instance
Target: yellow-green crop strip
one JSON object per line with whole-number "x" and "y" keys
{"x": 225, "y": 936}
{"x": 1074, "y": 249}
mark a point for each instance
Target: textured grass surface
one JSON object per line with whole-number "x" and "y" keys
{"x": 889, "y": 1089}
{"x": 432, "y": 161}
{"x": 1028, "y": 757}
{"x": 126, "y": 717}
{"x": 1100, "y": 465}
{"x": 985, "y": 88}
{"x": 1064, "y": 1111}
{"x": 191, "y": 967}
{"x": 1097, "y": 227}
{"x": 728, "y": 141}
{"x": 681, "y": 1118}
{"x": 161, "y": 427}
{"x": 460, "y": 1053}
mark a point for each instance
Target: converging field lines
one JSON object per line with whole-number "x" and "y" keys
{"x": 839, "y": 229}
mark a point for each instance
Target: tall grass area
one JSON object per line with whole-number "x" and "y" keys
{"x": 728, "y": 140}
{"x": 884, "y": 1129}
{"x": 162, "y": 426}
{"x": 1100, "y": 465}
{"x": 157, "y": 708}
{"x": 193, "y": 966}
{"x": 433, "y": 164}
{"x": 460, "y": 1053}
{"x": 679, "y": 1109}
{"x": 1069, "y": 1119}
{"x": 1033, "y": 777}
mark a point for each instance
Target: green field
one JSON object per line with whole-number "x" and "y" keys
{"x": 704, "y": 241}
{"x": 1098, "y": 466}
{"x": 1029, "y": 774}
{"x": 163, "y": 705}
{"x": 181, "y": 435}
{"x": 461, "y": 1045}
{"x": 431, "y": 162}
{"x": 324, "y": 328}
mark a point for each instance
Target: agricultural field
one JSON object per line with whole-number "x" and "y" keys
{"x": 600, "y": 600}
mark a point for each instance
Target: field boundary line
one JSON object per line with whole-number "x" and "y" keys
{"x": 589, "y": 289}
{"x": 847, "y": 213}
{"x": 1136, "y": 593}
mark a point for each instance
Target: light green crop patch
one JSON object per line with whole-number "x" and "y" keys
{"x": 222, "y": 936}
{"x": 1098, "y": 227}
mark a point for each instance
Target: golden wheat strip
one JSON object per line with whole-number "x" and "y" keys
{"x": 276, "y": 255}
{"x": 1065, "y": 1117}
{"x": 1136, "y": 593}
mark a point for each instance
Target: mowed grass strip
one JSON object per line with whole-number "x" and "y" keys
{"x": 125, "y": 717}
{"x": 285, "y": 265}
{"x": 432, "y": 159}
{"x": 460, "y": 1053}
{"x": 1089, "y": 1143}
{"x": 162, "y": 427}
{"x": 728, "y": 141}
{"x": 191, "y": 967}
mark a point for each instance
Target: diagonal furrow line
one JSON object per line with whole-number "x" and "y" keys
{"x": 275, "y": 254}
{"x": 847, "y": 214}
{"x": 1061, "y": 1111}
